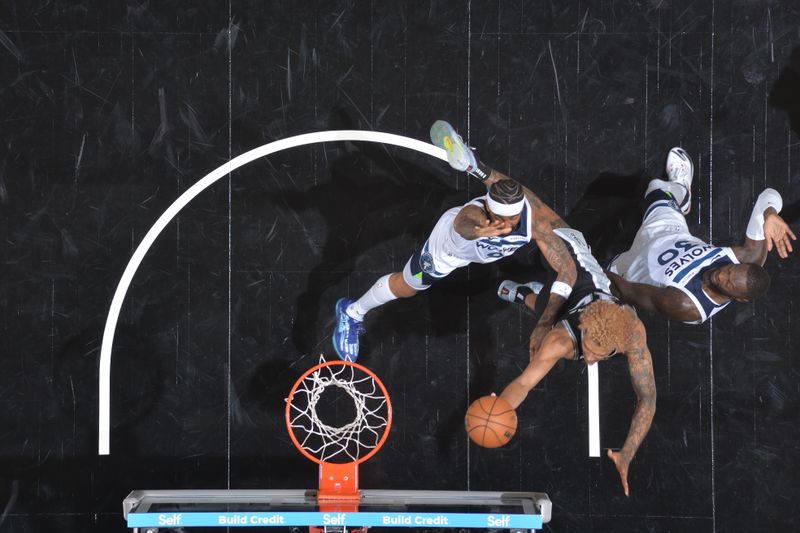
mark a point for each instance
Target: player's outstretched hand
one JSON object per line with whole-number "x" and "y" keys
{"x": 488, "y": 228}
{"x": 779, "y": 235}
{"x": 621, "y": 461}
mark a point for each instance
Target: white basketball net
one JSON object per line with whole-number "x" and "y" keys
{"x": 352, "y": 440}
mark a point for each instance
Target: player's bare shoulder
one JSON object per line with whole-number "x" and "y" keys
{"x": 637, "y": 336}
{"x": 545, "y": 220}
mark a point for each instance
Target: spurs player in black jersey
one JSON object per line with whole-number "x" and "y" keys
{"x": 578, "y": 318}
{"x": 591, "y": 326}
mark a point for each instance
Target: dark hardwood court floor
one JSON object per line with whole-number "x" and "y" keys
{"x": 111, "y": 110}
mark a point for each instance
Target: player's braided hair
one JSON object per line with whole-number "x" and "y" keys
{"x": 608, "y": 324}
{"x": 506, "y": 191}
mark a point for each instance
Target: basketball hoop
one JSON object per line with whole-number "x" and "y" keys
{"x": 338, "y": 446}
{"x": 338, "y": 437}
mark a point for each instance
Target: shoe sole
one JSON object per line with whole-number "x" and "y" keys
{"x": 507, "y": 297}
{"x": 536, "y": 291}
{"x": 444, "y": 136}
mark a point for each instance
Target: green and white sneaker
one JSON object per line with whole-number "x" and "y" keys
{"x": 459, "y": 155}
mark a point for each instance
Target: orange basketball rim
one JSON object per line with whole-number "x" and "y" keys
{"x": 339, "y": 449}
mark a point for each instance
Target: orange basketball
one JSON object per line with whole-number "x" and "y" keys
{"x": 490, "y": 422}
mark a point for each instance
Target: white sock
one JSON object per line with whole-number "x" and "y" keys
{"x": 677, "y": 190}
{"x": 376, "y": 296}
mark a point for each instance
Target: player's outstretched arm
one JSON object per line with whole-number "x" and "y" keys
{"x": 545, "y": 220}
{"x": 667, "y": 301}
{"x": 557, "y": 256}
{"x": 766, "y": 230}
{"x": 640, "y": 366}
{"x": 556, "y": 345}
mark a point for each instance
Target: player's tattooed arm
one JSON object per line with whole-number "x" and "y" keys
{"x": 558, "y": 257}
{"x": 640, "y": 366}
{"x": 545, "y": 220}
{"x": 541, "y": 209}
{"x": 668, "y": 301}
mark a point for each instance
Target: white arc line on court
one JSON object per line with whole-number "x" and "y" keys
{"x": 104, "y": 399}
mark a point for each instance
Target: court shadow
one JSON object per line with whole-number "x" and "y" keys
{"x": 609, "y": 212}
{"x": 791, "y": 212}
{"x": 136, "y": 387}
{"x": 785, "y": 91}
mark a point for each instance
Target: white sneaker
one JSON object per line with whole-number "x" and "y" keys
{"x": 680, "y": 170}
{"x": 509, "y": 290}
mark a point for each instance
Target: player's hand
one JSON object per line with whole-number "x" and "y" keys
{"x": 778, "y": 234}
{"x": 621, "y": 461}
{"x": 489, "y": 228}
{"x": 537, "y": 336}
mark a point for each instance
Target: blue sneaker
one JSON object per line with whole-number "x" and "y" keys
{"x": 345, "y": 335}
{"x": 459, "y": 155}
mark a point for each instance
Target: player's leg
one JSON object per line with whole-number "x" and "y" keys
{"x": 676, "y": 192}
{"x": 350, "y": 316}
{"x": 665, "y": 205}
{"x": 677, "y": 188}
{"x": 387, "y": 288}
{"x": 418, "y": 274}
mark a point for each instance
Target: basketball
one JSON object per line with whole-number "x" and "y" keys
{"x": 490, "y": 422}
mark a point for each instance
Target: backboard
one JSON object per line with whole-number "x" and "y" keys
{"x": 148, "y": 511}
{"x": 339, "y": 446}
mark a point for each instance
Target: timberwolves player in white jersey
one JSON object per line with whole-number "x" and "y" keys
{"x": 484, "y": 230}
{"x": 670, "y": 271}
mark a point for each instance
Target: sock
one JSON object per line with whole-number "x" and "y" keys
{"x": 481, "y": 170}
{"x": 376, "y": 296}
{"x": 674, "y": 189}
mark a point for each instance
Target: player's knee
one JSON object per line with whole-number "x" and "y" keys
{"x": 399, "y": 286}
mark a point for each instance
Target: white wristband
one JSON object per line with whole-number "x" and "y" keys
{"x": 768, "y": 198}
{"x": 560, "y": 288}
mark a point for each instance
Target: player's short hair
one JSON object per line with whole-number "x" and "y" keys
{"x": 506, "y": 192}
{"x": 757, "y": 281}
{"x": 608, "y": 324}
